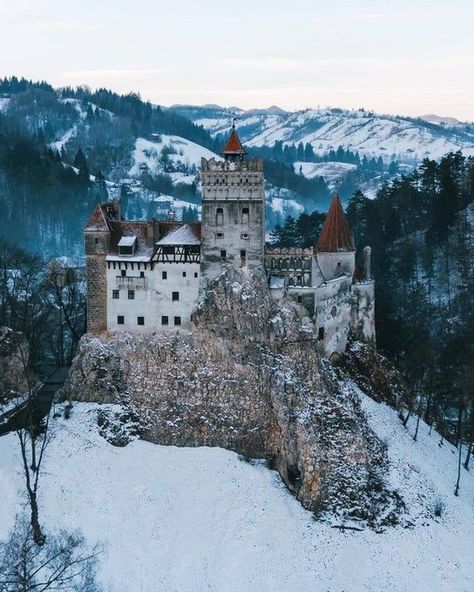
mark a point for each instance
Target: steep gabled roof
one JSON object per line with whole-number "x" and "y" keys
{"x": 186, "y": 234}
{"x": 233, "y": 146}
{"x": 98, "y": 220}
{"x": 335, "y": 235}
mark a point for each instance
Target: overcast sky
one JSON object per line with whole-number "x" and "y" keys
{"x": 408, "y": 57}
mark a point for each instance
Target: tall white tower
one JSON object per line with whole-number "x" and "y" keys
{"x": 233, "y": 210}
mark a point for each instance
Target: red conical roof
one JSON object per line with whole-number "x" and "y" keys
{"x": 233, "y": 144}
{"x": 335, "y": 235}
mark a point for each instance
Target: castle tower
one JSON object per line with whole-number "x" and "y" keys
{"x": 233, "y": 210}
{"x": 335, "y": 251}
{"x": 97, "y": 233}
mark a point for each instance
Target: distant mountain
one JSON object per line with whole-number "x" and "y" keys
{"x": 439, "y": 120}
{"x": 405, "y": 139}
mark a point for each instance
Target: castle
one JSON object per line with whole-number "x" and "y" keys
{"x": 148, "y": 276}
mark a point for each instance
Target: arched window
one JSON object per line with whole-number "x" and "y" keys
{"x": 219, "y": 217}
{"x": 245, "y": 215}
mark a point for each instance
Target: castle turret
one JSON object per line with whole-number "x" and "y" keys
{"x": 233, "y": 210}
{"x": 97, "y": 233}
{"x": 335, "y": 251}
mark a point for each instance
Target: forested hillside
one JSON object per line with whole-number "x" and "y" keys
{"x": 63, "y": 150}
{"x": 421, "y": 229}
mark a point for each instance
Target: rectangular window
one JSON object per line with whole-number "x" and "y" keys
{"x": 244, "y": 236}
{"x": 164, "y": 320}
{"x": 223, "y": 254}
{"x": 131, "y": 294}
{"x": 96, "y": 241}
{"x": 321, "y": 333}
{"x": 123, "y": 273}
{"x": 175, "y": 296}
{"x": 184, "y": 274}
{"x": 142, "y": 274}
{"x": 115, "y": 294}
{"x": 164, "y": 275}
{"x": 140, "y": 320}
{"x": 243, "y": 254}
{"x": 120, "y": 320}
{"x": 177, "y": 321}
{"x": 195, "y": 274}
{"x": 219, "y": 235}
{"x": 300, "y": 299}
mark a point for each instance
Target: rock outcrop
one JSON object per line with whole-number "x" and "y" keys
{"x": 248, "y": 378}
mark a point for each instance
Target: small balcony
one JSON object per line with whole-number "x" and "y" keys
{"x": 131, "y": 281}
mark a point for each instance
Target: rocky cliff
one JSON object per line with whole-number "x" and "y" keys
{"x": 248, "y": 378}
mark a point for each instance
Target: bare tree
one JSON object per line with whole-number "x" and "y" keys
{"x": 64, "y": 563}
{"x": 32, "y": 431}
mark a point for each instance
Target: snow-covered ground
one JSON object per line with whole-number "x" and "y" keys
{"x": 200, "y": 519}
{"x": 330, "y": 171}
{"x": 147, "y": 152}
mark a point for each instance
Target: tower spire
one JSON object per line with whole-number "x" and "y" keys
{"x": 335, "y": 236}
{"x": 233, "y": 148}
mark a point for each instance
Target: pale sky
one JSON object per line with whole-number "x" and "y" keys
{"x": 408, "y": 57}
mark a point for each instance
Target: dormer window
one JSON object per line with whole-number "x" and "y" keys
{"x": 127, "y": 245}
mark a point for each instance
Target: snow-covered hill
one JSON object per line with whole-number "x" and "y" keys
{"x": 409, "y": 140}
{"x": 202, "y": 519}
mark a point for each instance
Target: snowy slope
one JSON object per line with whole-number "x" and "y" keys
{"x": 202, "y": 520}
{"x": 330, "y": 171}
{"x": 408, "y": 139}
{"x": 187, "y": 157}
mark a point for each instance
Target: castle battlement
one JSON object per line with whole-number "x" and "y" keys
{"x": 248, "y": 165}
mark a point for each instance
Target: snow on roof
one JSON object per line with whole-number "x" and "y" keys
{"x": 183, "y": 235}
{"x": 276, "y": 282}
{"x": 127, "y": 241}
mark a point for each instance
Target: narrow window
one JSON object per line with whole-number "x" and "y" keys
{"x": 223, "y": 254}
{"x": 175, "y": 296}
{"x": 164, "y": 275}
{"x": 300, "y": 299}
{"x": 177, "y": 321}
{"x": 219, "y": 217}
{"x": 120, "y": 320}
{"x": 123, "y": 273}
{"x": 245, "y": 215}
{"x": 195, "y": 274}
{"x": 164, "y": 320}
{"x": 115, "y": 294}
{"x": 321, "y": 333}
{"x": 131, "y": 294}
{"x": 140, "y": 320}
{"x": 243, "y": 255}
{"x": 96, "y": 241}
{"x": 184, "y": 274}
{"x": 142, "y": 274}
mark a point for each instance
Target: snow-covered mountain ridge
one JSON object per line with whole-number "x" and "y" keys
{"x": 406, "y": 139}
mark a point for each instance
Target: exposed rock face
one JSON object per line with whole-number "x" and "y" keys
{"x": 14, "y": 354}
{"x": 248, "y": 379}
{"x": 375, "y": 375}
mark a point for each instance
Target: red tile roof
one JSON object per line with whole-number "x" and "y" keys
{"x": 233, "y": 144}
{"x": 335, "y": 235}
